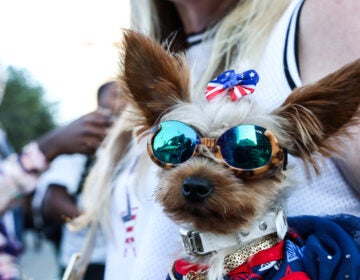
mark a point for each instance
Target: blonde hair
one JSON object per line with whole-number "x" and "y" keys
{"x": 240, "y": 36}
{"x": 99, "y": 183}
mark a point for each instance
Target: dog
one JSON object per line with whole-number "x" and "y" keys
{"x": 223, "y": 173}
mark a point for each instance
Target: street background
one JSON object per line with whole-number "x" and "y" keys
{"x": 38, "y": 262}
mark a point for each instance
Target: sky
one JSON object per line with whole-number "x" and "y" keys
{"x": 68, "y": 47}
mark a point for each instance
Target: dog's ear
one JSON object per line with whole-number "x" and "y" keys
{"x": 153, "y": 79}
{"x": 315, "y": 113}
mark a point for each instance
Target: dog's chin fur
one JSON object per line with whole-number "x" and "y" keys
{"x": 214, "y": 261}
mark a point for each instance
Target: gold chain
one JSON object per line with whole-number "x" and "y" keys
{"x": 192, "y": 275}
{"x": 240, "y": 256}
{"x": 201, "y": 275}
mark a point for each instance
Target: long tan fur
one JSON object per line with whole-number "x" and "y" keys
{"x": 155, "y": 84}
{"x": 318, "y": 112}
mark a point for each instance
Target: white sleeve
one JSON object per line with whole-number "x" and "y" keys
{"x": 65, "y": 171}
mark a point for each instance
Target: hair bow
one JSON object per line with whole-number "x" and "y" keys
{"x": 229, "y": 82}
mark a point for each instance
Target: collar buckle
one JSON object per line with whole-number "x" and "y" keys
{"x": 192, "y": 242}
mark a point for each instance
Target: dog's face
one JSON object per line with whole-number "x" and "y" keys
{"x": 222, "y": 162}
{"x": 197, "y": 186}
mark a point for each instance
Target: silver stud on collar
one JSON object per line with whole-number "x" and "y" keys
{"x": 244, "y": 233}
{"x": 263, "y": 226}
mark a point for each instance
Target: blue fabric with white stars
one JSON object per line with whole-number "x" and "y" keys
{"x": 332, "y": 245}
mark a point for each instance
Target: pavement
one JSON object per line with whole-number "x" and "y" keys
{"x": 39, "y": 260}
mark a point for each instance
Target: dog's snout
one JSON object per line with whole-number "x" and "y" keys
{"x": 196, "y": 189}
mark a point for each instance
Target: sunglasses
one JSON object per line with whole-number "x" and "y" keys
{"x": 251, "y": 151}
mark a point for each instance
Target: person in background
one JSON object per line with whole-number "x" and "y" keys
{"x": 63, "y": 184}
{"x": 289, "y": 44}
{"x": 19, "y": 174}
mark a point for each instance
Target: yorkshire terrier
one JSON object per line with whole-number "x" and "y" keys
{"x": 224, "y": 176}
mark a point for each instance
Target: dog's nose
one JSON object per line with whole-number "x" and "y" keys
{"x": 196, "y": 189}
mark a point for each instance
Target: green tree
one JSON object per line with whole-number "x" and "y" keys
{"x": 24, "y": 112}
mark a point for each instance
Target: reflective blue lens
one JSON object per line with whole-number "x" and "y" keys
{"x": 245, "y": 147}
{"x": 175, "y": 142}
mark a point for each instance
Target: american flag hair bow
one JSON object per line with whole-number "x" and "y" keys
{"x": 229, "y": 82}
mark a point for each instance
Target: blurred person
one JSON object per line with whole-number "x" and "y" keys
{"x": 63, "y": 184}
{"x": 289, "y": 44}
{"x": 19, "y": 174}
{"x": 109, "y": 98}
{"x": 11, "y": 220}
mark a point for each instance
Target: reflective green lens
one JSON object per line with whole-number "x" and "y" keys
{"x": 175, "y": 142}
{"x": 245, "y": 147}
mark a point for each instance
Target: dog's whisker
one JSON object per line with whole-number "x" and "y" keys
{"x": 224, "y": 210}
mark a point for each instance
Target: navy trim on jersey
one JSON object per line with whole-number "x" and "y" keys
{"x": 289, "y": 78}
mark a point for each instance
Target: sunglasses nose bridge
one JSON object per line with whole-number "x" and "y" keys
{"x": 208, "y": 147}
{"x": 209, "y": 143}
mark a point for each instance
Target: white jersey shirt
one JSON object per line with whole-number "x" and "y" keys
{"x": 140, "y": 233}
